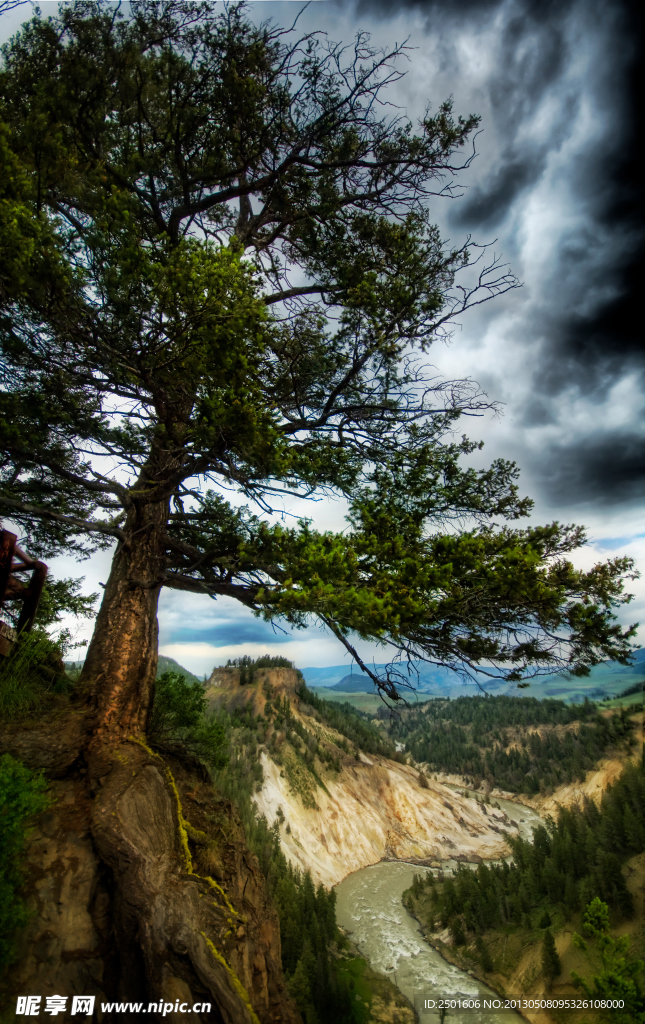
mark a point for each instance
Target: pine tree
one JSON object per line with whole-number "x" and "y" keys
{"x": 571, "y": 896}
{"x": 484, "y": 955}
{"x": 551, "y": 966}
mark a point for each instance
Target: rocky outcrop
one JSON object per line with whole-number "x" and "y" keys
{"x": 72, "y": 943}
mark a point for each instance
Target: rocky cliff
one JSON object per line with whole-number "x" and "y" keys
{"x": 70, "y": 945}
{"x": 372, "y": 808}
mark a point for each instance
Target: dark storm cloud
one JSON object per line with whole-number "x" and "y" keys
{"x": 532, "y": 53}
{"x": 224, "y": 633}
{"x": 582, "y": 324}
{"x": 597, "y": 348}
{"x": 608, "y": 464}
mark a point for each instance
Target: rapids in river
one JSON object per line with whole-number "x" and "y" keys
{"x": 369, "y": 908}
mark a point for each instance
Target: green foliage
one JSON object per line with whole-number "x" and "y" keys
{"x": 179, "y": 719}
{"x": 618, "y": 978}
{"x": 457, "y": 932}
{"x": 32, "y": 676}
{"x": 551, "y": 965}
{"x": 248, "y": 666}
{"x": 470, "y": 736}
{"x": 59, "y": 597}
{"x": 63, "y": 597}
{"x": 349, "y": 722}
{"x": 264, "y": 661}
{"x": 22, "y": 794}
{"x": 134, "y": 202}
{"x": 570, "y": 860}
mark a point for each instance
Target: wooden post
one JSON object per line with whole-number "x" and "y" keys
{"x": 7, "y": 547}
{"x": 32, "y": 598}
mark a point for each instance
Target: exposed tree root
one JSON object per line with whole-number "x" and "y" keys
{"x": 116, "y": 838}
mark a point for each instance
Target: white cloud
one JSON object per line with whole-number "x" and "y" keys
{"x": 319, "y": 651}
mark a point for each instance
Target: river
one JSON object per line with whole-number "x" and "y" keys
{"x": 369, "y": 907}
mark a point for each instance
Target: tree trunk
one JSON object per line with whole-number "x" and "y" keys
{"x": 121, "y": 662}
{"x": 173, "y": 931}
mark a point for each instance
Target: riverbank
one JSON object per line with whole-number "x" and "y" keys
{"x": 516, "y": 954}
{"x": 369, "y": 908}
{"x": 377, "y": 999}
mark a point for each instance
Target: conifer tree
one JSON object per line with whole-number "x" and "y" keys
{"x": 617, "y": 981}
{"x": 485, "y": 958}
{"x": 551, "y": 966}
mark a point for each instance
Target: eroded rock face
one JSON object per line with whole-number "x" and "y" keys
{"x": 67, "y": 946}
{"x": 373, "y": 809}
{"x": 70, "y": 947}
{"x": 253, "y": 948}
{"x": 376, "y": 810}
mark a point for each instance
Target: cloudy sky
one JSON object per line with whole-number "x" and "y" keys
{"x": 555, "y": 183}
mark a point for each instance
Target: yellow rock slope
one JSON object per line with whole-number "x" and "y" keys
{"x": 369, "y": 810}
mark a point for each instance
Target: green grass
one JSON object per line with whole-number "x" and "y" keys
{"x": 31, "y": 677}
{"x": 605, "y": 680}
{"x": 22, "y": 795}
{"x": 367, "y": 702}
{"x": 635, "y": 699}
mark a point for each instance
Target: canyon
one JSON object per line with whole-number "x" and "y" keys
{"x": 372, "y": 809}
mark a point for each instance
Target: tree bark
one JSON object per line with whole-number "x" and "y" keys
{"x": 121, "y": 662}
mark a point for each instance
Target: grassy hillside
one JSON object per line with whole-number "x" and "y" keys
{"x": 170, "y": 665}
{"x": 605, "y": 680}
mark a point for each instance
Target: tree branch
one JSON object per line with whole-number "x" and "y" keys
{"x": 79, "y": 525}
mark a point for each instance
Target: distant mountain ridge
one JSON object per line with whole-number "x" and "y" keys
{"x": 606, "y": 679}
{"x": 165, "y": 664}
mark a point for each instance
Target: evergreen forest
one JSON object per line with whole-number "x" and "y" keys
{"x": 497, "y": 739}
{"x": 573, "y": 859}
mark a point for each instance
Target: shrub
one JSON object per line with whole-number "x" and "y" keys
{"x": 32, "y": 673}
{"x": 22, "y": 794}
{"x": 179, "y": 719}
